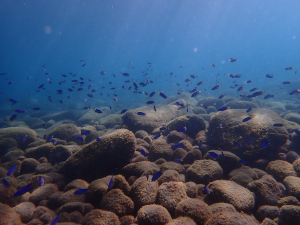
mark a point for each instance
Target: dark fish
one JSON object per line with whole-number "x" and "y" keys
{"x": 238, "y": 76}
{"x": 278, "y": 125}
{"x": 206, "y": 190}
{"x": 204, "y": 106}
{"x": 268, "y": 96}
{"x": 19, "y": 110}
{"x": 141, "y": 113}
{"x": 242, "y": 162}
{"x": 182, "y": 129}
{"x": 154, "y": 108}
{"x": 123, "y": 111}
{"x": 216, "y": 87}
{"x": 237, "y": 144}
{"x": 221, "y": 96}
{"x": 23, "y": 138}
{"x": 85, "y": 132}
{"x": 156, "y": 176}
{"x": 223, "y": 108}
{"x": 162, "y": 95}
{"x": 255, "y": 94}
{"x": 157, "y": 136}
{"x": 253, "y": 89}
{"x": 79, "y": 138}
{"x": 248, "y": 81}
{"x": 177, "y": 160}
{"x": 295, "y": 92}
{"x": 90, "y": 95}
{"x": 110, "y": 182}
{"x": 162, "y": 128}
{"x": 213, "y": 65}
{"x": 297, "y": 131}
{"x": 248, "y": 110}
{"x": 200, "y": 144}
{"x": 23, "y": 190}
{"x": 195, "y": 93}
{"x": 49, "y": 138}
{"x": 231, "y": 60}
{"x": 151, "y": 94}
{"x": 223, "y": 156}
{"x": 149, "y": 102}
{"x": 59, "y": 92}
{"x": 289, "y": 68}
{"x": 187, "y": 108}
{"x": 41, "y": 181}
{"x": 241, "y": 88}
{"x": 11, "y": 170}
{"x": 200, "y": 82}
{"x": 98, "y": 139}
{"x": 55, "y": 220}
{"x": 213, "y": 155}
{"x": 180, "y": 103}
{"x": 98, "y": 111}
{"x": 264, "y": 145}
{"x": 286, "y": 82}
{"x": 5, "y": 182}
{"x": 125, "y": 74}
{"x": 36, "y": 108}
{"x": 246, "y": 140}
{"x": 247, "y": 119}
{"x": 12, "y": 101}
{"x": 269, "y": 75}
{"x": 80, "y": 191}
{"x": 12, "y": 117}
{"x": 135, "y": 85}
{"x": 143, "y": 153}
{"x": 177, "y": 145}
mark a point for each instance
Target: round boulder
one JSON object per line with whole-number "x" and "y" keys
{"x": 153, "y": 215}
{"x": 280, "y": 169}
{"x": 99, "y": 159}
{"x": 98, "y": 216}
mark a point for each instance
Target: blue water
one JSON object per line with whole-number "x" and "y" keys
{"x": 179, "y": 37}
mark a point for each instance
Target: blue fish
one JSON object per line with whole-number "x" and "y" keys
{"x": 23, "y": 190}
{"x": 80, "y": 191}
{"x": 162, "y": 128}
{"x": 79, "y": 138}
{"x": 169, "y": 131}
{"x": 143, "y": 153}
{"x": 41, "y": 181}
{"x": 54, "y": 141}
{"x": 213, "y": 155}
{"x": 156, "y": 176}
{"x": 154, "y": 108}
{"x": 98, "y": 111}
{"x": 242, "y": 162}
{"x": 49, "y": 138}
{"x": 237, "y": 144}
{"x": 111, "y": 182}
{"x": 177, "y": 160}
{"x": 123, "y": 111}
{"x": 247, "y": 119}
{"x": 278, "y": 125}
{"x": 200, "y": 144}
{"x": 223, "y": 108}
{"x": 11, "y": 170}
{"x": 187, "y": 108}
{"x": 19, "y": 110}
{"x": 5, "y": 182}
{"x": 36, "y": 108}
{"x": 55, "y": 220}
{"x": 206, "y": 190}
{"x": 45, "y": 136}
{"x": 264, "y": 145}
{"x": 12, "y": 117}
{"x": 141, "y": 113}
{"x": 246, "y": 140}
{"x": 182, "y": 129}
{"x": 223, "y": 155}
{"x": 264, "y": 141}
{"x": 248, "y": 110}
{"x": 99, "y": 139}
{"x": 177, "y": 145}
{"x": 85, "y": 132}
{"x": 221, "y": 96}
{"x": 297, "y": 131}
{"x": 157, "y": 136}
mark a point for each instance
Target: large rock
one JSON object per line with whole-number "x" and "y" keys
{"x": 101, "y": 217}
{"x": 18, "y": 133}
{"x": 25, "y": 210}
{"x": 153, "y": 215}
{"x": 202, "y": 171}
{"x": 42, "y": 193}
{"x": 294, "y": 117}
{"x": 8, "y": 216}
{"x": 259, "y": 127}
{"x": 91, "y": 117}
{"x": 280, "y": 169}
{"x": 230, "y": 192}
{"x": 62, "y": 115}
{"x": 231, "y": 218}
{"x": 152, "y": 119}
{"x": 99, "y": 159}
{"x": 292, "y": 185}
{"x": 67, "y": 132}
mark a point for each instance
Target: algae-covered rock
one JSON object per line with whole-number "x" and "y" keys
{"x": 99, "y": 159}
